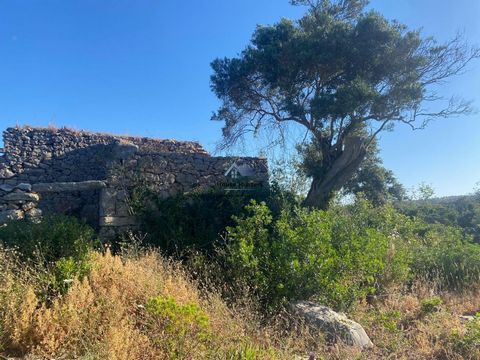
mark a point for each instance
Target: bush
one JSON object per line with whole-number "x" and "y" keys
{"x": 195, "y": 221}
{"x": 183, "y": 328}
{"x": 468, "y": 345}
{"x": 188, "y": 221}
{"x": 59, "y": 245}
{"x": 448, "y": 259}
{"x": 431, "y": 305}
{"x": 335, "y": 257}
{"x": 54, "y": 238}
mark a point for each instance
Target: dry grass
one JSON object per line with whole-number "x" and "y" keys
{"x": 104, "y": 317}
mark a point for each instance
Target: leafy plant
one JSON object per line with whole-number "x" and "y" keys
{"x": 330, "y": 256}
{"x": 468, "y": 345}
{"x": 431, "y": 305}
{"x": 54, "y": 238}
{"x": 59, "y": 245}
{"x": 448, "y": 259}
{"x": 181, "y": 328}
{"x": 187, "y": 221}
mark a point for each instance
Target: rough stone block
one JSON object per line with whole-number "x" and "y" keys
{"x": 24, "y": 187}
{"x": 10, "y": 215}
{"x": 117, "y": 221}
{"x": 21, "y": 196}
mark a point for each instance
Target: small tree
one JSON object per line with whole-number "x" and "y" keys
{"x": 343, "y": 75}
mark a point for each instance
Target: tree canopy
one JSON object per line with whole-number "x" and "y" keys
{"x": 343, "y": 75}
{"x": 377, "y": 184}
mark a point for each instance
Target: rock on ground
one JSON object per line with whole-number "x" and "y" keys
{"x": 336, "y": 326}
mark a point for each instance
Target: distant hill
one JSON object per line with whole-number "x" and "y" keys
{"x": 462, "y": 211}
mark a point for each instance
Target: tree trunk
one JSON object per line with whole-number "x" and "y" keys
{"x": 322, "y": 189}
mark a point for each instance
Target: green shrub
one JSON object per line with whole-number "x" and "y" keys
{"x": 334, "y": 257}
{"x": 431, "y": 305}
{"x": 249, "y": 352}
{"x": 188, "y": 221}
{"x": 448, "y": 259}
{"x": 54, "y": 238}
{"x": 58, "y": 245}
{"x": 468, "y": 345}
{"x": 179, "y": 329}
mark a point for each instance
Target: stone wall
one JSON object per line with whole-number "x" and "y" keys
{"x": 18, "y": 202}
{"x": 168, "y": 174}
{"x": 89, "y": 175}
{"x": 48, "y": 155}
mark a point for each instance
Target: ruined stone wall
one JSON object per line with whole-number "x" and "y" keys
{"x": 49, "y": 155}
{"x": 17, "y": 203}
{"x": 89, "y": 175}
{"x": 168, "y": 174}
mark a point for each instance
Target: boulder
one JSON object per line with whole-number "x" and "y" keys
{"x": 6, "y": 173}
{"x": 336, "y": 326}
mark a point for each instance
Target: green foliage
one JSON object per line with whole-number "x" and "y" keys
{"x": 182, "y": 328}
{"x": 389, "y": 320}
{"x": 248, "y": 352}
{"x": 431, "y": 305}
{"x": 448, "y": 259}
{"x": 66, "y": 270}
{"x": 54, "y": 238}
{"x": 462, "y": 212}
{"x": 59, "y": 245}
{"x": 196, "y": 221}
{"x": 469, "y": 344}
{"x": 334, "y": 257}
{"x": 188, "y": 221}
{"x": 337, "y": 71}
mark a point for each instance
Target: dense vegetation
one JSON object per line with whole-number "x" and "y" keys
{"x": 210, "y": 275}
{"x": 407, "y": 281}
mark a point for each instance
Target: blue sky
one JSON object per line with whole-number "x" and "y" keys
{"x": 141, "y": 67}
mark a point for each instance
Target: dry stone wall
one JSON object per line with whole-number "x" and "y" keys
{"x": 89, "y": 175}
{"x": 18, "y": 202}
{"x": 49, "y": 155}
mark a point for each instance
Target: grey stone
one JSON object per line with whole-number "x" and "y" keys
{"x": 24, "y": 187}
{"x": 21, "y": 196}
{"x": 124, "y": 150}
{"x": 467, "y": 318}
{"x": 10, "y": 215}
{"x": 6, "y": 187}
{"x": 68, "y": 186}
{"x": 107, "y": 202}
{"x": 6, "y": 173}
{"x": 33, "y": 215}
{"x": 336, "y": 326}
{"x": 28, "y": 206}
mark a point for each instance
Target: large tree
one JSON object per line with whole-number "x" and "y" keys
{"x": 377, "y": 184}
{"x": 343, "y": 75}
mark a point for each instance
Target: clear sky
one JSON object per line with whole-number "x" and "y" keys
{"x": 141, "y": 67}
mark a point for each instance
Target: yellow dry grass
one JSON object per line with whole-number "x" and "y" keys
{"x": 103, "y": 316}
